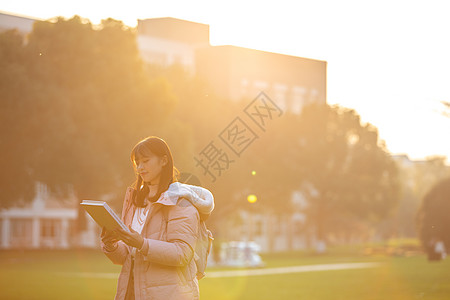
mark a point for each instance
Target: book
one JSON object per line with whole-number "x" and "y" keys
{"x": 103, "y": 214}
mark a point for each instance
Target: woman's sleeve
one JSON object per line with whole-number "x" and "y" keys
{"x": 182, "y": 228}
{"x": 118, "y": 255}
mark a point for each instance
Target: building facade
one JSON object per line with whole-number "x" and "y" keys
{"x": 238, "y": 73}
{"x": 21, "y": 23}
{"x": 47, "y": 222}
{"x": 167, "y": 41}
{"x": 233, "y": 72}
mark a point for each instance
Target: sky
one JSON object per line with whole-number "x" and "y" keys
{"x": 388, "y": 60}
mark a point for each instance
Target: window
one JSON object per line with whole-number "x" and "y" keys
{"x": 259, "y": 228}
{"x": 49, "y": 228}
{"x": 298, "y": 99}
{"x": 50, "y": 233}
{"x": 280, "y": 91}
{"x": 21, "y": 232}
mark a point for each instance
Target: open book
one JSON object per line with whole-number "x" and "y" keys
{"x": 103, "y": 214}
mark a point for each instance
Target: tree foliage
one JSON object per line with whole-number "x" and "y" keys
{"x": 347, "y": 171}
{"x": 76, "y": 100}
{"x": 16, "y": 174}
{"x": 432, "y": 217}
{"x": 339, "y": 165}
{"x": 416, "y": 179}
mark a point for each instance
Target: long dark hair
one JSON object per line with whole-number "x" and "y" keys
{"x": 152, "y": 145}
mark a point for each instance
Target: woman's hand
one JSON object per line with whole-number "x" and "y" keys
{"x": 132, "y": 238}
{"x": 109, "y": 238}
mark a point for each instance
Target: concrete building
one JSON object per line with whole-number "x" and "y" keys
{"x": 233, "y": 72}
{"x": 21, "y": 23}
{"x": 271, "y": 232}
{"x": 167, "y": 41}
{"x": 240, "y": 73}
{"x": 46, "y": 222}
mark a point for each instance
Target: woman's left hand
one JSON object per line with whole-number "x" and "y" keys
{"x": 132, "y": 238}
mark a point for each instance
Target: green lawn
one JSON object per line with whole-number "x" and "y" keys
{"x": 67, "y": 275}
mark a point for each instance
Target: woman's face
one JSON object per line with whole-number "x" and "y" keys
{"x": 150, "y": 167}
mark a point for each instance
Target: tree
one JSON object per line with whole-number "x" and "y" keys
{"x": 339, "y": 164}
{"x": 432, "y": 217}
{"x": 84, "y": 100}
{"x": 417, "y": 178}
{"x": 16, "y": 174}
{"x": 344, "y": 170}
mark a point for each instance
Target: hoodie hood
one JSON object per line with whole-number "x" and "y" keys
{"x": 200, "y": 197}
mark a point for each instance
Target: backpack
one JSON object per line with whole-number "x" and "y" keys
{"x": 202, "y": 246}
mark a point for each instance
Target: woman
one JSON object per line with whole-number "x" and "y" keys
{"x": 163, "y": 217}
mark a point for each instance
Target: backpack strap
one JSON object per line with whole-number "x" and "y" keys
{"x": 203, "y": 244}
{"x": 202, "y": 249}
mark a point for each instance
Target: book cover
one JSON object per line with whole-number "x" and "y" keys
{"x": 103, "y": 214}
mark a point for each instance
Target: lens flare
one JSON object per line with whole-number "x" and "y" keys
{"x": 252, "y": 198}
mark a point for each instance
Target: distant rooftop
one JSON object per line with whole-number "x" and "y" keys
{"x": 175, "y": 29}
{"x": 13, "y": 21}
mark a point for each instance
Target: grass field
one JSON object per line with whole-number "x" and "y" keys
{"x": 87, "y": 274}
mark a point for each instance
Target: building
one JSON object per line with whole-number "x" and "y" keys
{"x": 167, "y": 41}
{"x": 46, "y": 222}
{"x": 239, "y": 73}
{"x": 272, "y": 232}
{"x": 233, "y": 72}
{"x": 21, "y": 23}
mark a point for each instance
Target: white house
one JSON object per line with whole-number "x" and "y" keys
{"x": 46, "y": 222}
